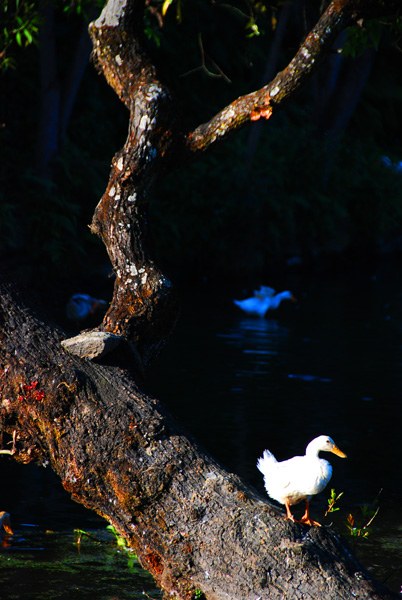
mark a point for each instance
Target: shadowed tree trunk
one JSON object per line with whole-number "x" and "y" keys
{"x": 269, "y": 72}
{"x": 193, "y": 525}
{"x": 338, "y": 106}
{"x": 57, "y": 95}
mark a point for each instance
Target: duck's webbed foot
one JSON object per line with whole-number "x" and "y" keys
{"x": 306, "y": 520}
{"x": 289, "y": 515}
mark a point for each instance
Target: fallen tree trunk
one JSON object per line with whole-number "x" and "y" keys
{"x": 193, "y": 525}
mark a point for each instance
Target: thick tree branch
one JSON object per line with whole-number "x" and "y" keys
{"x": 144, "y": 307}
{"x": 287, "y": 83}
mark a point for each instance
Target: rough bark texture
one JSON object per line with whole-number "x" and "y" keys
{"x": 144, "y": 307}
{"x": 193, "y": 525}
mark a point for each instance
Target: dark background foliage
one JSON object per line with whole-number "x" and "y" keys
{"x": 308, "y": 191}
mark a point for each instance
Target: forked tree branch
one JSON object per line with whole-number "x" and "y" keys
{"x": 143, "y": 309}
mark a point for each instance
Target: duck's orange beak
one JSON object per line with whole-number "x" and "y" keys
{"x": 338, "y": 452}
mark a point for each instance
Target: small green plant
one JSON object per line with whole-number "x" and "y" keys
{"x": 123, "y": 545}
{"x": 332, "y": 500}
{"x": 360, "y": 528}
{"x": 120, "y": 541}
{"x": 80, "y": 533}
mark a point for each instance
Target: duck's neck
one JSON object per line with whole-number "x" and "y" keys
{"x": 312, "y": 450}
{"x": 276, "y": 300}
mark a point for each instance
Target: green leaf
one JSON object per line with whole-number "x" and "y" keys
{"x": 252, "y": 25}
{"x": 28, "y": 35}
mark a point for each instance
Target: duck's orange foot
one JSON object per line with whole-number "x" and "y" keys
{"x": 291, "y": 518}
{"x": 307, "y": 521}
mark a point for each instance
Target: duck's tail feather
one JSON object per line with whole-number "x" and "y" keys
{"x": 267, "y": 460}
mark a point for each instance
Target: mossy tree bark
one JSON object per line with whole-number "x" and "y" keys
{"x": 116, "y": 450}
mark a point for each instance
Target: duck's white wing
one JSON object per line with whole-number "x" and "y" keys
{"x": 284, "y": 481}
{"x": 286, "y": 472}
{"x": 267, "y": 291}
{"x": 252, "y": 306}
{"x": 298, "y": 478}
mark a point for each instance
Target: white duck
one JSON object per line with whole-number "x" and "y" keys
{"x": 81, "y": 306}
{"x": 262, "y": 301}
{"x": 298, "y": 478}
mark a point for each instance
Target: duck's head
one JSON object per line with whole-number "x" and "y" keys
{"x": 286, "y": 295}
{"x": 324, "y": 443}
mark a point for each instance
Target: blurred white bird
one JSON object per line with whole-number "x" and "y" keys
{"x": 395, "y": 166}
{"x": 264, "y": 291}
{"x": 81, "y": 306}
{"x": 5, "y": 522}
{"x": 298, "y": 478}
{"x": 263, "y": 300}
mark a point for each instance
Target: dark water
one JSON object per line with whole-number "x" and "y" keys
{"x": 43, "y": 559}
{"x": 330, "y": 364}
{"x": 50, "y": 564}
